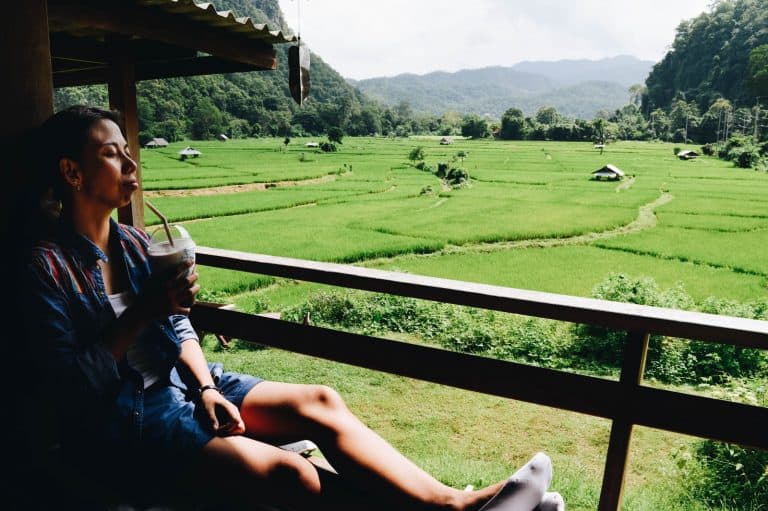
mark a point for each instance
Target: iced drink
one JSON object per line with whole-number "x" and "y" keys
{"x": 163, "y": 255}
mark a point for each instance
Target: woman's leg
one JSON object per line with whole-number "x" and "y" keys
{"x": 282, "y": 412}
{"x": 242, "y": 472}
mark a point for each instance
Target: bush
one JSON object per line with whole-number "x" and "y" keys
{"x": 726, "y": 476}
{"x": 442, "y": 169}
{"x": 708, "y": 149}
{"x": 675, "y": 150}
{"x": 670, "y": 359}
{"x": 328, "y": 147}
{"x": 417, "y": 153}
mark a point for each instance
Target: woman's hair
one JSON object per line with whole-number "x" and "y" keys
{"x": 64, "y": 135}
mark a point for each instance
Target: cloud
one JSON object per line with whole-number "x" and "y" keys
{"x": 362, "y": 39}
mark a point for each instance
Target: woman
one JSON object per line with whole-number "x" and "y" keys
{"x": 115, "y": 340}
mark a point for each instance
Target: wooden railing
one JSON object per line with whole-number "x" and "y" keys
{"x": 626, "y": 402}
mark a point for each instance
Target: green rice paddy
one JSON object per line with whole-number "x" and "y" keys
{"x": 531, "y": 218}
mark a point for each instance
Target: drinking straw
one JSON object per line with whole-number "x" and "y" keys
{"x": 162, "y": 217}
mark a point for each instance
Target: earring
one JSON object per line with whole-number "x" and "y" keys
{"x": 78, "y": 187}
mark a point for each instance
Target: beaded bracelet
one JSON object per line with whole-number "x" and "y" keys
{"x": 208, "y": 387}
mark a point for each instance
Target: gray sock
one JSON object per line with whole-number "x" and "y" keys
{"x": 524, "y": 490}
{"x": 551, "y": 501}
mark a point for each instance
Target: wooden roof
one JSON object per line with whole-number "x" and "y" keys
{"x": 166, "y": 38}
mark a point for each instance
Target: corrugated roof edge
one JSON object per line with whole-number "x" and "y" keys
{"x": 242, "y": 24}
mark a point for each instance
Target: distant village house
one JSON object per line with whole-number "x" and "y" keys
{"x": 687, "y": 155}
{"x": 222, "y": 137}
{"x": 609, "y": 172}
{"x": 446, "y": 141}
{"x": 311, "y": 144}
{"x": 188, "y": 152}
{"x": 156, "y": 142}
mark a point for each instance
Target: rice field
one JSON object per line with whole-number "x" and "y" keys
{"x": 367, "y": 204}
{"x": 530, "y": 218}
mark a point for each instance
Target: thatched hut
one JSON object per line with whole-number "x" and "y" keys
{"x": 156, "y": 142}
{"x": 189, "y": 152}
{"x": 609, "y": 172}
{"x": 687, "y": 155}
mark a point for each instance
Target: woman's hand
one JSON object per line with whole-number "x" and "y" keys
{"x": 224, "y": 416}
{"x": 172, "y": 292}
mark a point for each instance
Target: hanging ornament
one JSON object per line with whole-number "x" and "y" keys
{"x": 298, "y": 67}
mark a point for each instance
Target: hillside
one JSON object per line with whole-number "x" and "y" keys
{"x": 710, "y": 56}
{"x": 577, "y": 88}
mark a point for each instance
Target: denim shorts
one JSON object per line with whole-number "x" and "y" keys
{"x": 173, "y": 423}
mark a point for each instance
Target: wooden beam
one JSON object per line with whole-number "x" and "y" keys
{"x": 655, "y": 408}
{"x": 154, "y": 70}
{"x": 622, "y": 316}
{"x": 144, "y": 22}
{"x": 617, "y": 458}
{"x": 122, "y": 97}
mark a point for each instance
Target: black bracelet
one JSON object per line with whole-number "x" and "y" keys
{"x": 208, "y": 387}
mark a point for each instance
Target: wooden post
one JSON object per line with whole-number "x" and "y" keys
{"x": 122, "y": 97}
{"x": 635, "y": 352}
{"x": 26, "y": 100}
{"x": 26, "y": 91}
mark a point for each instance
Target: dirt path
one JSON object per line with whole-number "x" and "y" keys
{"x": 646, "y": 219}
{"x": 250, "y": 187}
{"x": 626, "y": 184}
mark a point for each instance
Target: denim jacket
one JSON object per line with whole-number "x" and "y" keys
{"x": 67, "y": 312}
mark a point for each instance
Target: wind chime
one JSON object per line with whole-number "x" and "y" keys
{"x": 298, "y": 66}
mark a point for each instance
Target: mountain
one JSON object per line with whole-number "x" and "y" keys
{"x": 577, "y": 88}
{"x": 623, "y": 69}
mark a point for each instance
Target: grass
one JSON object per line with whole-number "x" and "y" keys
{"x": 370, "y": 209}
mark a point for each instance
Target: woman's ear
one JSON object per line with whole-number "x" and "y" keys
{"x": 70, "y": 172}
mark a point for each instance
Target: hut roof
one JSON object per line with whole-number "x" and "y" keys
{"x": 446, "y": 140}
{"x": 157, "y": 142}
{"x": 687, "y": 154}
{"x": 311, "y": 144}
{"x": 609, "y": 169}
{"x": 222, "y": 136}
{"x": 190, "y": 151}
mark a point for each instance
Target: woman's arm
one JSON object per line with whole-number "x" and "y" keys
{"x": 224, "y": 416}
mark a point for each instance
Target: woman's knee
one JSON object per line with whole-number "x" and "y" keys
{"x": 291, "y": 471}
{"x": 320, "y": 400}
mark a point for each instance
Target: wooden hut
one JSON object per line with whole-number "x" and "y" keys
{"x": 189, "y": 152}
{"x": 609, "y": 172}
{"x": 156, "y": 142}
{"x": 687, "y": 155}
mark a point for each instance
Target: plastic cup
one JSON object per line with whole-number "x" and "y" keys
{"x": 163, "y": 255}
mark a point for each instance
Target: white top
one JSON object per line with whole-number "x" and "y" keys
{"x": 137, "y": 355}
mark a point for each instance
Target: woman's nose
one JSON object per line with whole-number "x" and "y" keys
{"x": 129, "y": 165}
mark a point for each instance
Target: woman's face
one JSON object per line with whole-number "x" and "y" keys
{"x": 107, "y": 171}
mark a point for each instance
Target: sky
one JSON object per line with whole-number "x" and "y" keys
{"x": 365, "y": 39}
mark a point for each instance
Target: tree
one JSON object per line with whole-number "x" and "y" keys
{"x": 513, "y": 125}
{"x": 547, "y": 115}
{"x": 335, "y": 134}
{"x": 636, "y": 93}
{"x": 474, "y": 127}
{"x": 757, "y": 71}
{"x": 206, "y": 120}
{"x": 416, "y": 154}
